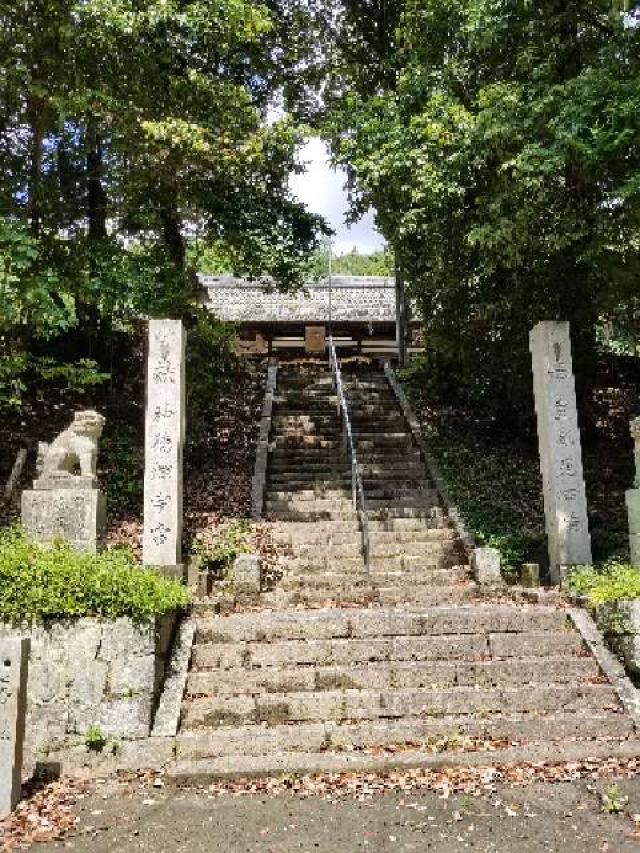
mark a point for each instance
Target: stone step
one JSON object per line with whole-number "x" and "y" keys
{"x": 309, "y": 495}
{"x": 400, "y": 675}
{"x": 343, "y": 578}
{"x": 310, "y": 516}
{"x": 427, "y": 551}
{"x": 281, "y": 466}
{"x": 353, "y": 651}
{"x": 286, "y": 442}
{"x": 350, "y": 581}
{"x": 381, "y": 762}
{"x": 309, "y": 562}
{"x": 373, "y": 704}
{"x": 329, "y": 623}
{"x": 345, "y": 531}
{"x": 445, "y": 732}
{"x": 418, "y": 502}
{"x": 398, "y": 595}
{"x": 388, "y": 514}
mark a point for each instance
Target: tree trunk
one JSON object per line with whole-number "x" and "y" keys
{"x": 96, "y": 195}
{"x": 36, "y": 113}
{"x": 172, "y": 225}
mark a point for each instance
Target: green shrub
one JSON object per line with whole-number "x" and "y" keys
{"x": 39, "y": 583}
{"x": 612, "y": 581}
{"x": 218, "y": 556}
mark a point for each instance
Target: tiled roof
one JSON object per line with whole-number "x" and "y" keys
{"x": 352, "y": 298}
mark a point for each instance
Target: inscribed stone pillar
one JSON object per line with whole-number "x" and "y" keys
{"x": 565, "y": 502}
{"x": 14, "y": 661}
{"x": 633, "y": 499}
{"x": 164, "y": 441}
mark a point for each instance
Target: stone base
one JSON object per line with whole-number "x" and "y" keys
{"x": 247, "y": 573}
{"x": 485, "y": 563}
{"x": 76, "y": 515}
{"x": 175, "y": 572}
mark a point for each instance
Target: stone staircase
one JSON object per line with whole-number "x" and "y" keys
{"x": 415, "y": 554}
{"x": 402, "y": 665}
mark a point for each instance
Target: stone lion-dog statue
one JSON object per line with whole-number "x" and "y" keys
{"x": 71, "y": 458}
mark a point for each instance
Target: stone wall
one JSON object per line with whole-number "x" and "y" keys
{"x": 353, "y": 299}
{"x": 92, "y": 672}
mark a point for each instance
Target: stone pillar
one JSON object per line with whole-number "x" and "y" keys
{"x": 14, "y": 662}
{"x": 565, "y": 502}
{"x": 164, "y": 442}
{"x": 633, "y": 499}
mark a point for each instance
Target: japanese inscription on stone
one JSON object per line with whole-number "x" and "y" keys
{"x": 14, "y": 656}
{"x": 164, "y": 440}
{"x": 565, "y": 500}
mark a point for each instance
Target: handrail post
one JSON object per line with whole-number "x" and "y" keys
{"x": 357, "y": 487}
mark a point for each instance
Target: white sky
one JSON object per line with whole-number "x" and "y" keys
{"x": 321, "y": 189}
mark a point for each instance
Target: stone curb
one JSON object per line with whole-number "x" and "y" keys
{"x": 167, "y": 718}
{"x": 432, "y": 466}
{"x": 260, "y": 469}
{"x": 610, "y": 665}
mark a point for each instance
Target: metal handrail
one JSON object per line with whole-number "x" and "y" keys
{"x": 357, "y": 489}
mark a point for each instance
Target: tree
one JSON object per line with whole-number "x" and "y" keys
{"x": 136, "y": 121}
{"x": 502, "y": 159}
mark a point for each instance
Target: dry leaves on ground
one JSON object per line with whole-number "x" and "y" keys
{"x": 46, "y": 813}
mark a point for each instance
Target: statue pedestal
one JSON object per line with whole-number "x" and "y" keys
{"x": 77, "y": 515}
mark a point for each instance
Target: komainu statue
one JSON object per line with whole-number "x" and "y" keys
{"x": 70, "y": 460}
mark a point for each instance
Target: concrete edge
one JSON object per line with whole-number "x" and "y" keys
{"x": 303, "y": 764}
{"x": 432, "y": 466}
{"x": 260, "y": 469}
{"x": 614, "y": 670}
{"x": 167, "y": 717}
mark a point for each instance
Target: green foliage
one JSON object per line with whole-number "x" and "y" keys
{"x": 19, "y": 372}
{"x": 211, "y": 366}
{"x": 352, "y": 263}
{"x": 613, "y": 581}
{"x": 497, "y": 142}
{"x": 38, "y": 583}
{"x": 30, "y": 297}
{"x": 95, "y": 739}
{"x": 122, "y": 122}
{"x": 122, "y": 456}
{"x": 218, "y": 556}
{"x": 13, "y": 381}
